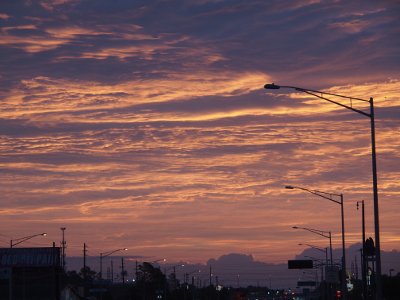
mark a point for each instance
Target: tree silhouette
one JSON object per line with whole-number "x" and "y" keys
{"x": 90, "y": 274}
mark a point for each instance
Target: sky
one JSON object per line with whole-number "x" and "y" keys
{"x": 145, "y": 125}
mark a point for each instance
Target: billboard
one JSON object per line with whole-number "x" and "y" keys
{"x": 30, "y": 257}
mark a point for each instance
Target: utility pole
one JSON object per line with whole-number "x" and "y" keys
{"x": 84, "y": 269}
{"x": 210, "y": 276}
{"x": 123, "y": 271}
{"x": 123, "y": 276}
{"x": 112, "y": 272}
{"x": 63, "y": 249}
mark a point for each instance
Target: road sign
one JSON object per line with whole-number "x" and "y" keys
{"x": 306, "y": 283}
{"x": 300, "y": 264}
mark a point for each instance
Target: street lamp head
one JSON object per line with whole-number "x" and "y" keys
{"x": 271, "y": 86}
{"x": 125, "y": 248}
{"x": 295, "y": 227}
{"x": 44, "y": 234}
{"x": 289, "y": 187}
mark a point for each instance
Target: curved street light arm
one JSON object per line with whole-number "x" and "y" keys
{"x": 320, "y": 249}
{"x": 316, "y": 231}
{"x": 312, "y": 92}
{"x": 102, "y": 255}
{"x": 154, "y": 261}
{"x": 111, "y": 252}
{"x": 319, "y": 193}
{"x": 25, "y": 239}
{"x": 170, "y": 268}
{"x": 321, "y": 233}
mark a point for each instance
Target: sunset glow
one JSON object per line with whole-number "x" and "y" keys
{"x": 147, "y": 126}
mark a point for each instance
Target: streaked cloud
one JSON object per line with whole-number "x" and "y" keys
{"x": 145, "y": 125}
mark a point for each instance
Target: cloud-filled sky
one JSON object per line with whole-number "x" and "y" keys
{"x": 145, "y": 124}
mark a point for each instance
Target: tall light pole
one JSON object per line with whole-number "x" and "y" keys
{"x": 326, "y": 234}
{"x": 370, "y": 115}
{"x": 170, "y": 268}
{"x": 320, "y": 249}
{"x": 19, "y": 241}
{"x": 329, "y": 196}
{"x": 186, "y": 275}
{"x": 166, "y": 277}
{"x": 102, "y": 255}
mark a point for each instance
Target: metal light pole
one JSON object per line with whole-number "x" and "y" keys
{"x": 166, "y": 277}
{"x": 320, "y": 249}
{"x": 370, "y": 115}
{"x": 329, "y": 236}
{"x": 24, "y": 239}
{"x": 102, "y": 255}
{"x": 328, "y": 196}
{"x": 321, "y": 233}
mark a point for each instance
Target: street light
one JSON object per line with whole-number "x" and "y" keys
{"x": 321, "y": 233}
{"x": 165, "y": 271}
{"x": 186, "y": 275}
{"x": 102, "y": 255}
{"x": 374, "y": 170}
{"x": 320, "y": 249}
{"x": 24, "y": 239}
{"x": 154, "y": 261}
{"x": 329, "y": 196}
{"x": 320, "y": 261}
